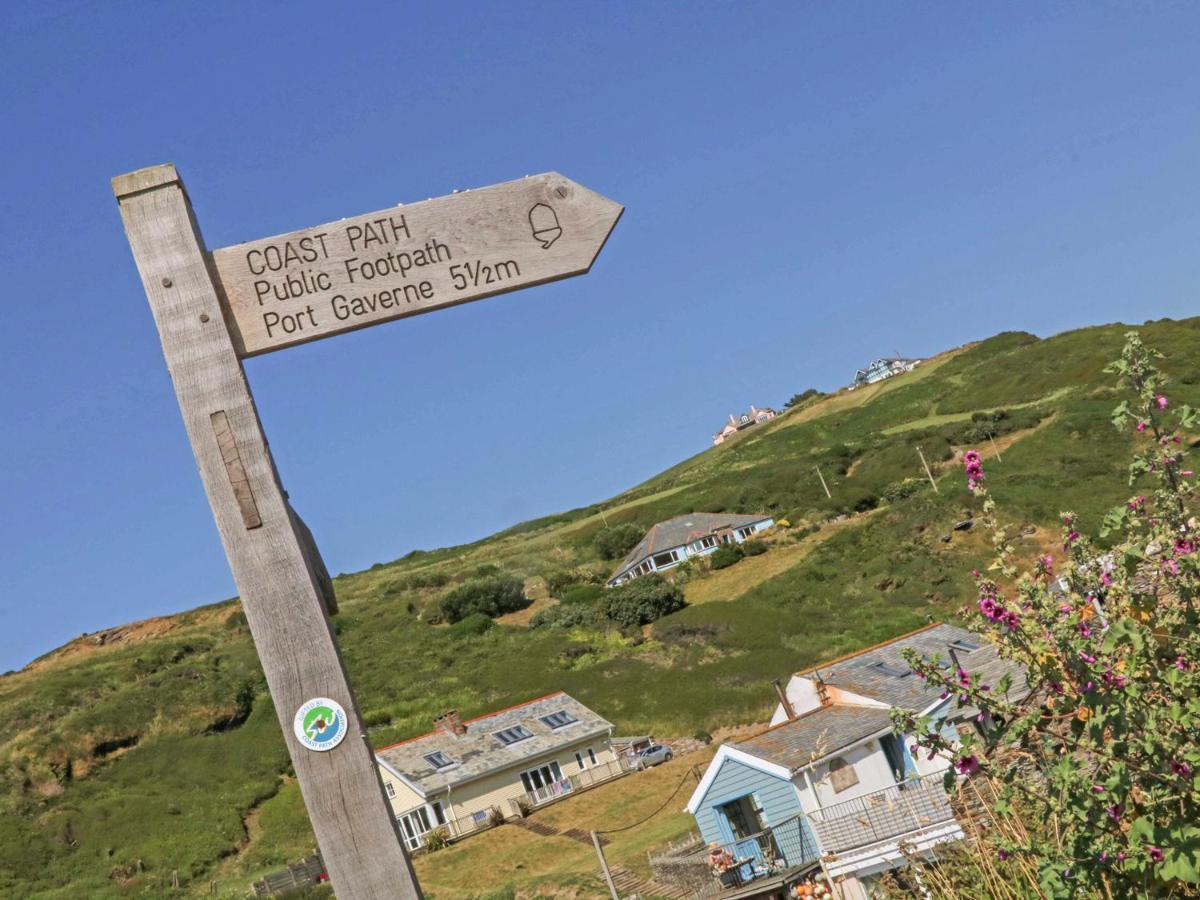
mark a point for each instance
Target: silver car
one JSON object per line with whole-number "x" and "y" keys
{"x": 652, "y": 756}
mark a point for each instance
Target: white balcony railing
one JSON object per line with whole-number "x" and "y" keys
{"x": 915, "y": 805}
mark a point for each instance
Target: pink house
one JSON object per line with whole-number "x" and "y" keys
{"x": 735, "y": 424}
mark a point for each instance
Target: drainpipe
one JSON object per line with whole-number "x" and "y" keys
{"x": 788, "y": 709}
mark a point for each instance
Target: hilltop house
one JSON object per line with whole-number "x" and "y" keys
{"x": 465, "y": 775}
{"x": 830, "y": 775}
{"x": 884, "y": 368}
{"x": 756, "y": 416}
{"x": 669, "y": 543}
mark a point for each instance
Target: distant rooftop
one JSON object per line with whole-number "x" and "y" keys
{"x": 881, "y": 673}
{"x": 480, "y": 752}
{"x": 683, "y": 530}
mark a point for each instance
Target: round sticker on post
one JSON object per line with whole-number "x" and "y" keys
{"x": 320, "y": 724}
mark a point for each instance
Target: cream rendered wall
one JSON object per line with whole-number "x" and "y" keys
{"x": 496, "y": 789}
{"x": 406, "y": 798}
{"x": 870, "y": 764}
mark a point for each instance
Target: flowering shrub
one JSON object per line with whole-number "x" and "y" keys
{"x": 1097, "y": 765}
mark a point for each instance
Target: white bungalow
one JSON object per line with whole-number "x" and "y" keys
{"x": 670, "y": 543}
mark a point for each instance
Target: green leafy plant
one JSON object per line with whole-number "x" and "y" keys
{"x": 643, "y": 600}
{"x": 725, "y": 556}
{"x": 617, "y": 540}
{"x": 1096, "y": 768}
{"x": 492, "y": 595}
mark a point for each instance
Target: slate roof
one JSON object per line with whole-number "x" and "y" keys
{"x": 816, "y": 734}
{"x": 874, "y": 673}
{"x": 682, "y": 530}
{"x": 479, "y": 752}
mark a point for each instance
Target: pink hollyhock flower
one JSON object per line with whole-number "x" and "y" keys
{"x": 1183, "y": 546}
{"x": 1156, "y": 855}
{"x": 1181, "y": 769}
{"x": 1141, "y": 426}
{"x": 1161, "y": 400}
{"x": 1171, "y": 567}
{"x": 967, "y": 765}
{"x": 1115, "y": 811}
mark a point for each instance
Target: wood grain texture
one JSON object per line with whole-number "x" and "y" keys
{"x": 411, "y": 259}
{"x": 242, "y": 492}
{"x": 278, "y": 586}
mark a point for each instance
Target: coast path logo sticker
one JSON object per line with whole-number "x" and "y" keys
{"x": 320, "y": 724}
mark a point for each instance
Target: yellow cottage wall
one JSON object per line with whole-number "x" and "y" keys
{"x": 463, "y": 801}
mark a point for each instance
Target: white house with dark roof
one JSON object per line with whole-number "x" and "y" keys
{"x": 466, "y": 774}
{"x": 829, "y": 780}
{"x": 676, "y": 540}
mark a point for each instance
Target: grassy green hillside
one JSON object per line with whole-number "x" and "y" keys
{"x": 153, "y": 749}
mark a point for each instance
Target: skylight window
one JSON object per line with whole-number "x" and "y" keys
{"x": 438, "y": 760}
{"x": 512, "y": 735}
{"x": 964, "y": 646}
{"x": 559, "y": 719}
{"x": 893, "y": 671}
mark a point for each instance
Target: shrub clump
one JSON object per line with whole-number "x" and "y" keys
{"x": 493, "y": 595}
{"x": 582, "y": 593}
{"x": 567, "y": 615}
{"x": 899, "y": 490}
{"x": 616, "y": 541}
{"x": 643, "y": 600}
{"x": 473, "y": 625}
{"x": 754, "y": 548}
{"x": 725, "y": 556}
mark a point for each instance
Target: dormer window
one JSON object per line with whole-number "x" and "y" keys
{"x": 439, "y": 760}
{"x": 512, "y": 735}
{"x": 559, "y": 719}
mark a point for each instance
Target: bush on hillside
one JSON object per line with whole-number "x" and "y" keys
{"x": 558, "y": 580}
{"x": 616, "y": 541}
{"x": 582, "y": 593}
{"x": 899, "y": 490}
{"x": 473, "y": 625}
{"x": 754, "y": 548}
{"x": 725, "y": 556}
{"x": 493, "y": 596}
{"x": 567, "y": 615}
{"x": 643, "y": 600}
{"x": 797, "y": 399}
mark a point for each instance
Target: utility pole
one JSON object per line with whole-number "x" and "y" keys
{"x": 927, "y": 472}
{"x": 823, "y": 484}
{"x": 612, "y": 888}
{"x": 995, "y": 449}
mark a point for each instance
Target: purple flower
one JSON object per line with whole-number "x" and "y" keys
{"x": 1137, "y": 502}
{"x": 1161, "y": 400}
{"x": 1181, "y": 663}
{"x": 1171, "y": 567}
{"x": 1183, "y": 546}
{"x": 1156, "y": 855}
{"x": 967, "y": 765}
{"x": 1115, "y": 811}
{"x": 1098, "y": 789}
{"x": 1181, "y": 769}
{"x": 1003, "y": 854}
{"x": 1141, "y": 426}
{"x": 1072, "y": 536}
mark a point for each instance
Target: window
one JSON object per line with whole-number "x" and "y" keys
{"x": 592, "y": 756}
{"x": 964, "y": 646}
{"x": 541, "y": 777}
{"x": 390, "y": 788}
{"x": 414, "y": 826}
{"x": 579, "y": 760}
{"x": 666, "y": 559}
{"x": 438, "y": 815}
{"x": 888, "y": 669}
{"x": 841, "y": 775}
{"x": 438, "y": 760}
{"x": 559, "y": 719}
{"x": 482, "y": 816}
{"x": 744, "y": 533}
{"x": 512, "y": 735}
{"x": 705, "y": 542}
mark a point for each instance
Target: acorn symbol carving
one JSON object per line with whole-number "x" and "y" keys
{"x": 544, "y": 222}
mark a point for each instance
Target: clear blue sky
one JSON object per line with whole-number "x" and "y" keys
{"x": 807, "y": 186}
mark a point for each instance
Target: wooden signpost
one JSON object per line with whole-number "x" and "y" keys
{"x": 214, "y": 309}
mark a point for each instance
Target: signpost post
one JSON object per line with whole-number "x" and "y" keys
{"x": 214, "y": 309}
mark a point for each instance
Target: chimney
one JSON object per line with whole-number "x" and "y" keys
{"x": 450, "y": 723}
{"x": 822, "y": 691}
{"x": 788, "y": 710}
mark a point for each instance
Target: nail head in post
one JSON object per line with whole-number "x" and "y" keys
{"x": 203, "y": 317}
{"x": 167, "y": 282}
{"x": 561, "y": 191}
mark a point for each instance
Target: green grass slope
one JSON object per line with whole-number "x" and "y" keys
{"x": 151, "y": 752}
